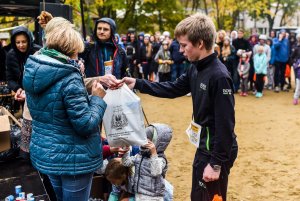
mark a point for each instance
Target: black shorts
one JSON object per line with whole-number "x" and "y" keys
{"x": 206, "y": 191}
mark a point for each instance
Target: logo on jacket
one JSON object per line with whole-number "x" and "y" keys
{"x": 202, "y": 86}
{"x": 119, "y": 119}
{"x": 227, "y": 91}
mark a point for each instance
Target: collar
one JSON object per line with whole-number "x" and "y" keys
{"x": 204, "y": 63}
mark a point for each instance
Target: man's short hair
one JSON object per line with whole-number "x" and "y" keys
{"x": 61, "y": 36}
{"x": 198, "y": 27}
{"x": 241, "y": 30}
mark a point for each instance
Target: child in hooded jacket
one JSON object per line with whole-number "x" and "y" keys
{"x": 260, "y": 67}
{"x": 150, "y": 164}
{"x": 243, "y": 69}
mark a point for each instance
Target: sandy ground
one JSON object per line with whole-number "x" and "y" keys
{"x": 268, "y": 164}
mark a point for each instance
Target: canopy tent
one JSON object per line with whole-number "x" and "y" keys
{"x": 28, "y": 8}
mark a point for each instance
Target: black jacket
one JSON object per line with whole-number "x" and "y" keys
{"x": 213, "y": 105}
{"x": 241, "y": 43}
{"x": 2, "y": 63}
{"x": 15, "y": 60}
{"x": 295, "y": 55}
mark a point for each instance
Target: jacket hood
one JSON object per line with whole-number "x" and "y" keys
{"x": 21, "y": 30}
{"x": 41, "y": 72}
{"x": 109, "y": 21}
{"x": 160, "y": 135}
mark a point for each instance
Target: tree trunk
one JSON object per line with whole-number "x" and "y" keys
{"x": 218, "y": 13}
{"x": 234, "y": 19}
{"x": 160, "y": 23}
{"x": 269, "y": 17}
{"x": 205, "y": 7}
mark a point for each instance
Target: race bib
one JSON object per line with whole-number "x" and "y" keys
{"x": 194, "y": 132}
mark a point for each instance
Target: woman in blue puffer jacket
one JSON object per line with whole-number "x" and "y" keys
{"x": 65, "y": 141}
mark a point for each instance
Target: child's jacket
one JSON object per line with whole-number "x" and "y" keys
{"x": 149, "y": 173}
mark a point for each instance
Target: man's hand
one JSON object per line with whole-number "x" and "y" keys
{"x": 209, "y": 174}
{"x": 20, "y": 95}
{"x": 110, "y": 81}
{"x": 44, "y": 18}
{"x": 98, "y": 90}
{"x": 280, "y": 37}
{"x": 129, "y": 81}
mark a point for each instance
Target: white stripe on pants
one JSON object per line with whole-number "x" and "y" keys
{"x": 297, "y": 90}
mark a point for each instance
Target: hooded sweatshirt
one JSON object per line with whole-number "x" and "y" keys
{"x": 15, "y": 59}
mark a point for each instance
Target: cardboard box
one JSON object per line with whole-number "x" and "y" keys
{"x": 6, "y": 119}
{"x": 4, "y": 133}
{"x": 12, "y": 119}
{"x": 97, "y": 187}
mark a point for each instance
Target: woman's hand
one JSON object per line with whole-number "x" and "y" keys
{"x": 98, "y": 90}
{"x": 20, "y": 95}
{"x": 110, "y": 81}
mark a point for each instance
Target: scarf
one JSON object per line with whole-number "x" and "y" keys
{"x": 58, "y": 56}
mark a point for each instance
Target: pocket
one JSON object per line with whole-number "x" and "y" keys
{"x": 94, "y": 146}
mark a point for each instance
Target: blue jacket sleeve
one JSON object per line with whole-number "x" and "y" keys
{"x": 85, "y": 115}
{"x": 178, "y": 88}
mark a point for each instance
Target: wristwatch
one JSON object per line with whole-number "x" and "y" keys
{"x": 216, "y": 168}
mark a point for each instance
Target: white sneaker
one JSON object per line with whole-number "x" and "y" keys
{"x": 189, "y": 94}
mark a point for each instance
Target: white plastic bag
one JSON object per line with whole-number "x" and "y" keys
{"x": 123, "y": 118}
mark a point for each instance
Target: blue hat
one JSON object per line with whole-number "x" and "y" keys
{"x": 282, "y": 30}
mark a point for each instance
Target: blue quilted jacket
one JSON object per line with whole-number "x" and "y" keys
{"x": 65, "y": 128}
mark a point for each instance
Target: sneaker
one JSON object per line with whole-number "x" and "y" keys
{"x": 241, "y": 94}
{"x": 270, "y": 88}
{"x": 277, "y": 89}
{"x": 245, "y": 94}
{"x": 285, "y": 88}
{"x": 295, "y": 101}
{"x": 189, "y": 94}
{"x": 258, "y": 95}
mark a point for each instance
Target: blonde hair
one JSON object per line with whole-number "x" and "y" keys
{"x": 261, "y": 49}
{"x": 61, "y": 36}
{"x": 198, "y": 27}
{"x": 223, "y": 33}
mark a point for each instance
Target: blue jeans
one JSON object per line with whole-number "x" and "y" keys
{"x": 72, "y": 188}
{"x": 176, "y": 71}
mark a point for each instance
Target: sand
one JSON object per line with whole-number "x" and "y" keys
{"x": 268, "y": 131}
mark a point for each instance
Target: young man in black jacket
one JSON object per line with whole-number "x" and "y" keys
{"x": 213, "y": 106}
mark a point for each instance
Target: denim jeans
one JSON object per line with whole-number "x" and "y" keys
{"x": 176, "y": 71}
{"x": 72, "y": 187}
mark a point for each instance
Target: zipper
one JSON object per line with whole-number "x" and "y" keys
{"x": 137, "y": 187}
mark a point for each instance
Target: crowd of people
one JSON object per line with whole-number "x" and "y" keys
{"x": 62, "y": 115}
{"x": 260, "y": 62}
